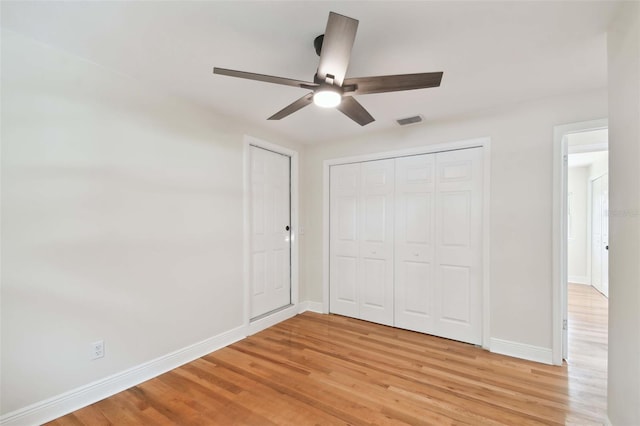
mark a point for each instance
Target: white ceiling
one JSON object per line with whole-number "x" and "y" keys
{"x": 492, "y": 53}
{"x": 586, "y": 159}
{"x": 588, "y": 139}
{"x": 586, "y": 148}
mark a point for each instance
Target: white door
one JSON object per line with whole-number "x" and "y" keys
{"x": 458, "y": 239}
{"x": 376, "y": 241}
{"x": 361, "y": 240}
{"x": 270, "y": 231}
{"x": 605, "y": 235}
{"x": 344, "y": 240}
{"x": 438, "y": 286}
{"x": 600, "y": 234}
{"x": 406, "y": 243}
{"x": 596, "y": 234}
{"x": 414, "y": 242}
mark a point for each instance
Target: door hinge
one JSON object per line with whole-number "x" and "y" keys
{"x": 564, "y": 324}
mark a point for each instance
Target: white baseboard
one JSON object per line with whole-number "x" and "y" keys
{"x": 52, "y": 408}
{"x": 57, "y": 406}
{"x": 522, "y": 350}
{"x": 272, "y": 319}
{"x": 311, "y": 306}
{"x": 579, "y": 279}
{"x": 284, "y": 314}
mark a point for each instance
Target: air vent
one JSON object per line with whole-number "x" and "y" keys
{"x": 409, "y": 120}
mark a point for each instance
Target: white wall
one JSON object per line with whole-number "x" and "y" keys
{"x": 600, "y": 165}
{"x": 121, "y": 220}
{"x": 521, "y": 198}
{"x": 623, "y": 45}
{"x": 577, "y": 265}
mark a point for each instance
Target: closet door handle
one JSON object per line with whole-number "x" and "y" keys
{"x": 286, "y": 228}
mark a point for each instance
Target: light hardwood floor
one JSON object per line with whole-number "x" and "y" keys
{"x": 326, "y": 369}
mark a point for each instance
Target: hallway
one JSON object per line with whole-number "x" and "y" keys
{"x": 588, "y": 341}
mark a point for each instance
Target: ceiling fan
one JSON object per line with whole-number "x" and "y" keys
{"x": 330, "y": 88}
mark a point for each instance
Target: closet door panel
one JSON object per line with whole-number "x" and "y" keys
{"x": 344, "y": 239}
{"x": 345, "y": 279}
{"x": 414, "y": 242}
{"x": 376, "y": 242}
{"x": 455, "y": 284}
{"x": 458, "y": 247}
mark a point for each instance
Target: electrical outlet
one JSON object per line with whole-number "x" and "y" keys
{"x": 97, "y": 349}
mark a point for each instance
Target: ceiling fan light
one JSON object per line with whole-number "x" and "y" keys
{"x": 327, "y": 98}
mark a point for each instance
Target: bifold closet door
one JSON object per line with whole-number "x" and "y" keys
{"x": 406, "y": 242}
{"x": 438, "y": 249}
{"x": 414, "y": 243}
{"x": 458, "y": 245}
{"x": 344, "y": 246}
{"x": 361, "y": 223}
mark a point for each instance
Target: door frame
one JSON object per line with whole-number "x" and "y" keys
{"x": 559, "y": 267}
{"x": 483, "y": 142}
{"x": 273, "y": 318}
{"x": 590, "y": 232}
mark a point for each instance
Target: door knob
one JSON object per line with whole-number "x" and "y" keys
{"x": 606, "y": 247}
{"x": 286, "y": 228}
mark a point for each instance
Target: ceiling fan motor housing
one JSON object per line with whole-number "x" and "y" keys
{"x": 317, "y": 43}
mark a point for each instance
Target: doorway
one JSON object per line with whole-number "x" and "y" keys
{"x": 271, "y": 248}
{"x": 580, "y": 224}
{"x": 270, "y": 231}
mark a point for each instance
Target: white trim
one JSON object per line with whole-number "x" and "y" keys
{"x": 521, "y": 350}
{"x": 579, "y": 279}
{"x": 57, "y": 406}
{"x": 325, "y": 235}
{"x": 559, "y": 227}
{"x": 246, "y": 234}
{"x": 310, "y": 306}
{"x": 485, "y": 143}
{"x": 282, "y": 315}
{"x": 272, "y": 319}
{"x": 486, "y": 246}
{"x": 248, "y": 142}
{"x": 428, "y": 149}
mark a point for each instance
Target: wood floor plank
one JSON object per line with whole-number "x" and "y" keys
{"x": 331, "y": 370}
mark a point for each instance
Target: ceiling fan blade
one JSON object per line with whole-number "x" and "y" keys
{"x": 392, "y": 83}
{"x": 336, "y": 47}
{"x": 291, "y": 108}
{"x": 265, "y": 78}
{"x": 352, "y": 109}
